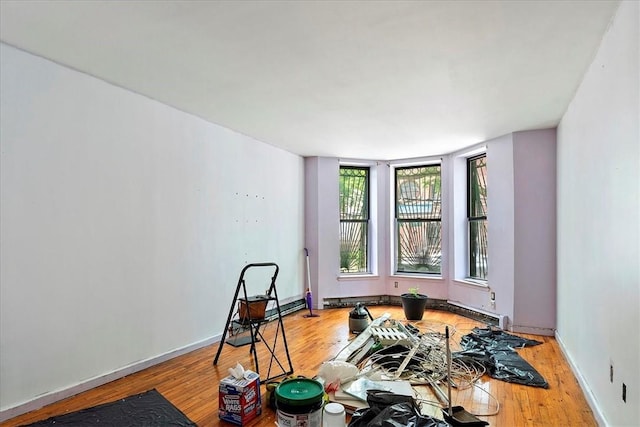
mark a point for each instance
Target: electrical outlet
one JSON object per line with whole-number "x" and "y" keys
{"x": 395, "y": 284}
{"x": 624, "y": 392}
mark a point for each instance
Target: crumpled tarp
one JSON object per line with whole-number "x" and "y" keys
{"x": 387, "y": 409}
{"x": 495, "y": 349}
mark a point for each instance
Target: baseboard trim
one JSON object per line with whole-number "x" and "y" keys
{"x": 286, "y": 308}
{"x": 584, "y": 386}
{"x": 340, "y": 302}
{"x": 486, "y": 317}
{"x": 549, "y": 332}
{"x": 54, "y": 396}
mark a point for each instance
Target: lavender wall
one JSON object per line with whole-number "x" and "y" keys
{"x": 521, "y": 191}
{"x": 534, "y": 171}
{"x": 501, "y": 216}
{"x": 521, "y": 240}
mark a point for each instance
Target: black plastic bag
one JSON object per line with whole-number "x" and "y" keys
{"x": 387, "y": 409}
{"x": 495, "y": 339}
{"x": 495, "y": 350}
{"x": 509, "y": 366}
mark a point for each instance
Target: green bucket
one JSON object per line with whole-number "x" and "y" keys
{"x": 299, "y": 400}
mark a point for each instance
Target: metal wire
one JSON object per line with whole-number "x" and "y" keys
{"x": 427, "y": 366}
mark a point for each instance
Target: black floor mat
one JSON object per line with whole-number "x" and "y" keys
{"x": 148, "y": 409}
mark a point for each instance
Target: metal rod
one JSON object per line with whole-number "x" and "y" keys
{"x": 406, "y": 360}
{"x": 448, "y": 370}
{"x": 439, "y": 393}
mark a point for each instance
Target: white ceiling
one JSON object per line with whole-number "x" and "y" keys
{"x": 351, "y": 79}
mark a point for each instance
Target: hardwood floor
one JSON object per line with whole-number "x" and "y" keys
{"x": 190, "y": 381}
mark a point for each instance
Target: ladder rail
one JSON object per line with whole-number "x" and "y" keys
{"x": 255, "y": 324}
{"x": 230, "y": 316}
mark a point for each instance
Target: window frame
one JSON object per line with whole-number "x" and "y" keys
{"x": 365, "y": 221}
{"x": 474, "y": 218}
{"x": 420, "y": 220}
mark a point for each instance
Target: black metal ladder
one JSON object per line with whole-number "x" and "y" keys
{"x": 254, "y": 324}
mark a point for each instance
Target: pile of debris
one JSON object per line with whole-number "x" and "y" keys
{"x": 374, "y": 375}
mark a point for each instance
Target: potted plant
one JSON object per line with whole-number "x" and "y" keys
{"x": 413, "y": 304}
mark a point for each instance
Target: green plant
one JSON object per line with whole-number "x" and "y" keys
{"x": 413, "y": 304}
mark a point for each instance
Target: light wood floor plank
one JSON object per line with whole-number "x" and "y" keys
{"x": 190, "y": 381}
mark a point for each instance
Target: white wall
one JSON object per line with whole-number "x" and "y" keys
{"x": 125, "y": 225}
{"x": 599, "y": 224}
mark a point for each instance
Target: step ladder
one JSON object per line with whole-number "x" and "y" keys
{"x": 251, "y": 316}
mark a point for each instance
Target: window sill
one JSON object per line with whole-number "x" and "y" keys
{"x": 418, "y": 276}
{"x": 358, "y": 276}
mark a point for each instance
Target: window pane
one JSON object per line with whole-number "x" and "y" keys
{"x": 353, "y": 247}
{"x": 478, "y": 249}
{"x": 419, "y": 244}
{"x": 354, "y": 219}
{"x": 418, "y": 192}
{"x": 478, "y": 187}
{"x": 354, "y": 193}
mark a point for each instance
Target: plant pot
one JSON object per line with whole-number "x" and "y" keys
{"x": 252, "y": 308}
{"x": 413, "y": 305}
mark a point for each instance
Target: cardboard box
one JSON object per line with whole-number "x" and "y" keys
{"x": 240, "y": 401}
